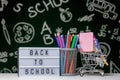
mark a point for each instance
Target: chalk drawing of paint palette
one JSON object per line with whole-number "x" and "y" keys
{"x": 24, "y": 32}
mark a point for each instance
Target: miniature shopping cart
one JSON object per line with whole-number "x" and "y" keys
{"x": 90, "y": 62}
{"x": 93, "y": 59}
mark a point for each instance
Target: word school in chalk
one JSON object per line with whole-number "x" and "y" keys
{"x": 40, "y": 7}
{"x": 33, "y": 11}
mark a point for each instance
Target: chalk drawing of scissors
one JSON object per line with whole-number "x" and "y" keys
{"x": 5, "y": 31}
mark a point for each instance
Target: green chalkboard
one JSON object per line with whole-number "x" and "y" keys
{"x": 32, "y": 23}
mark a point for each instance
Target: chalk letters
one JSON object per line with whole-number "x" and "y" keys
{"x": 18, "y": 7}
{"x": 45, "y": 28}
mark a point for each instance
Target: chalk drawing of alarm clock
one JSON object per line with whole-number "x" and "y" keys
{"x": 65, "y": 15}
{"x": 23, "y": 32}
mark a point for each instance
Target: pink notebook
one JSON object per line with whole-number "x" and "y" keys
{"x": 86, "y": 42}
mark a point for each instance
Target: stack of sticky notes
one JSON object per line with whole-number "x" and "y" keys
{"x": 86, "y": 42}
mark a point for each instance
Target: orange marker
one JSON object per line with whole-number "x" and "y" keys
{"x": 68, "y": 54}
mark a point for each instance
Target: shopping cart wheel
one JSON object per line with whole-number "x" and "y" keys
{"x": 81, "y": 74}
{"x": 102, "y": 73}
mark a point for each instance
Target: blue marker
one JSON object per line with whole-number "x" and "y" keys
{"x": 62, "y": 54}
{"x": 97, "y": 44}
{"x": 76, "y": 42}
{"x": 57, "y": 41}
{"x": 65, "y": 52}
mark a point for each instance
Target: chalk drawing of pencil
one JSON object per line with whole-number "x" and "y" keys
{"x": 5, "y": 31}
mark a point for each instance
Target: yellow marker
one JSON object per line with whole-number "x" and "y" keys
{"x": 105, "y": 62}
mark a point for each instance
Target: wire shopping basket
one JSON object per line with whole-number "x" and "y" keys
{"x": 90, "y": 61}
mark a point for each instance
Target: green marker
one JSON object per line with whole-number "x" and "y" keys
{"x": 73, "y": 42}
{"x": 73, "y": 46}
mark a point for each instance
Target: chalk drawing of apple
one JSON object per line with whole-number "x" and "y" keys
{"x": 65, "y": 15}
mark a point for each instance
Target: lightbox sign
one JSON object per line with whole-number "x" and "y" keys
{"x": 38, "y": 61}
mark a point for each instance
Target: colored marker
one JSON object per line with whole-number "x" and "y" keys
{"x": 62, "y": 60}
{"x": 76, "y": 41}
{"x": 97, "y": 44}
{"x": 59, "y": 38}
{"x": 65, "y": 56}
{"x": 71, "y": 70}
{"x": 57, "y": 41}
{"x": 71, "y": 53}
{"x": 68, "y": 53}
{"x": 69, "y": 41}
{"x": 63, "y": 43}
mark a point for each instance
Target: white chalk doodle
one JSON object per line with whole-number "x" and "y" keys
{"x": 40, "y": 8}
{"x": 116, "y": 31}
{"x": 73, "y": 30}
{"x": 87, "y": 18}
{"x": 65, "y": 15}
{"x": 118, "y": 38}
{"x": 103, "y": 31}
{"x": 16, "y": 54}
{"x": 45, "y": 28}
{"x": 114, "y": 68}
{"x": 109, "y": 31}
{"x": 3, "y": 60}
{"x": 54, "y": 3}
{"x": 6, "y": 54}
{"x": 5, "y": 32}
{"x": 46, "y": 31}
{"x": 3, "y": 2}
{"x": 14, "y": 69}
{"x": 59, "y": 30}
{"x": 18, "y": 7}
{"x": 3, "y": 57}
{"x": 86, "y": 30}
{"x": 11, "y": 54}
{"x": 5, "y": 70}
{"x": 119, "y": 21}
{"x": 106, "y": 49}
{"x": 3, "y": 54}
{"x": 115, "y": 34}
{"x": 104, "y": 7}
{"x": 47, "y": 39}
{"x": 24, "y": 32}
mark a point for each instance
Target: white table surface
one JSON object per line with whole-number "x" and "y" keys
{"x": 13, "y": 76}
